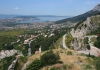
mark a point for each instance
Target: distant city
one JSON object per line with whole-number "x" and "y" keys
{"x": 38, "y": 22}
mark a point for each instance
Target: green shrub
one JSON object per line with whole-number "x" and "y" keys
{"x": 82, "y": 54}
{"x": 86, "y": 40}
{"x": 64, "y": 67}
{"x": 35, "y": 65}
{"x": 87, "y": 67}
{"x": 49, "y": 58}
{"x": 97, "y": 43}
{"x": 23, "y": 59}
{"x": 69, "y": 53}
{"x": 88, "y": 47}
{"x": 4, "y": 63}
{"x": 69, "y": 39}
{"x": 54, "y": 68}
{"x": 97, "y": 63}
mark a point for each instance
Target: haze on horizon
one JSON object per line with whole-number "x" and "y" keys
{"x": 47, "y": 7}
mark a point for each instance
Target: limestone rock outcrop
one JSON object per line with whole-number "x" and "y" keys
{"x": 97, "y": 8}
{"x": 79, "y": 33}
{"x": 91, "y": 24}
{"x": 7, "y": 53}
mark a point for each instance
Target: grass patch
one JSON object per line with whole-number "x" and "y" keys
{"x": 69, "y": 39}
{"x": 69, "y": 53}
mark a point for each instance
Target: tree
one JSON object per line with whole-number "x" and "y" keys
{"x": 97, "y": 43}
{"x": 86, "y": 40}
{"x": 49, "y": 58}
{"x": 35, "y": 65}
{"x": 88, "y": 47}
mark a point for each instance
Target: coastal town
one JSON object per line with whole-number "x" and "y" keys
{"x": 14, "y": 23}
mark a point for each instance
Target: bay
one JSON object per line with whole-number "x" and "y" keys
{"x": 44, "y": 19}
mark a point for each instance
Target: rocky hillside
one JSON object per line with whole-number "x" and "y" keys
{"x": 97, "y": 8}
{"x": 79, "y": 34}
{"x": 89, "y": 25}
{"x": 81, "y": 17}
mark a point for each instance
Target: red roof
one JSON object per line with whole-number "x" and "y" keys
{"x": 98, "y": 34}
{"x": 98, "y": 54}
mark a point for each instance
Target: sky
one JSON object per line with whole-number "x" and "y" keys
{"x": 47, "y": 7}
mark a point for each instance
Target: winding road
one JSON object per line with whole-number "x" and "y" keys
{"x": 93, "y": 51}
{"x": 29, "y": 49}
{"x": 63, "y": 41}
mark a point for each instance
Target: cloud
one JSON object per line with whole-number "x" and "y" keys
{"x": 16, "y": 8}
{"x": 90, "y": 2}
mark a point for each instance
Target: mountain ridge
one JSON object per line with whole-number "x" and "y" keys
{"x": 81, "y": 17}
{"x": 14, "y": 15}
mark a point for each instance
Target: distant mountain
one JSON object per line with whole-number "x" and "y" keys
{"x": 28, "y": 16}
{"x": 25, "y": 17}
{"x": 49, "y": 16}
{"x": 7, "y": 16}
{"x": 97, "y": 8}
{"x": 81, "y": 17}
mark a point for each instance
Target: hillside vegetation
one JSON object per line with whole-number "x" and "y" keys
{"x": 69, "y": 60}
{"x": 9, "y": 36}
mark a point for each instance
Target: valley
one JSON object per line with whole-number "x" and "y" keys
{"x": 68, "y": 44}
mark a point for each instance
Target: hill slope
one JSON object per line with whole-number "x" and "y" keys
{"x": 66, "y": 61}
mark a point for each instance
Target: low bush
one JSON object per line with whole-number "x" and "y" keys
{"x": 49, "y": 58}
{"x": 97, "y": 63}
{"x": 69, "y": 53}
{"x": 86, "y": 40}
{"x": 35, "y": 65}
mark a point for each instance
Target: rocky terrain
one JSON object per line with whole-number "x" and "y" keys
{"x": 82, "y": 31}
{"x": 7, "y": 53}
{"x": 97, "y": 8}
{"x": 89, "y": 25}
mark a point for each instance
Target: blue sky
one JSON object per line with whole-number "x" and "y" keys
{"x": 47, "y": 7}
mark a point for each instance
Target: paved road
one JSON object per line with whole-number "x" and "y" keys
{"x": 93, "y": 51}
{"x": 87, "y": 52}
{"x": 29, "y": 50}
{"x": 64, "y": 45}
